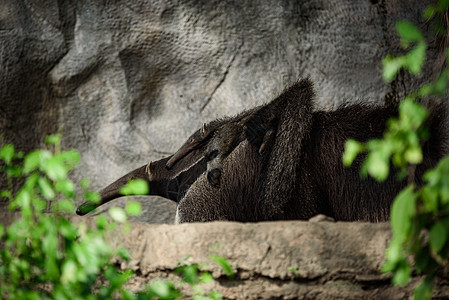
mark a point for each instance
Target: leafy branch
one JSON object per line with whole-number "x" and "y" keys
{"x": 44, "y": 255}
{"x": 419, "y": 215}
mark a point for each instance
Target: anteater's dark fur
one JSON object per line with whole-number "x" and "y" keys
{"x": 288, "y": 165}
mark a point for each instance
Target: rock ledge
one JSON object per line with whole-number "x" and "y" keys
{"x": 333, "y": 260}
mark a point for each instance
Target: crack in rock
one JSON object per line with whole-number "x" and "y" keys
{"x": 225, "y": 74}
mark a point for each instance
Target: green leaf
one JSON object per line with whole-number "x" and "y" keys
{"x": 393, "y": 256}
{"x": 7, "y": 153}
{"x": 84, "y": 183}
{"x": 64, "y": 205}
{"x": 51, "y": 268}
{"x": 402, "y": 211}
{"x": 438, "y": 235}
{"x": 408, "y": 31}
{"x": 414, "y": 60}
{"x": 55, "y": 169}
{"x": 425, "y": 90}
{"x": 412, "y": 113}
{"x": 32, "y": 161}
{"x": 13, "y": 171}
{"x": 429, "y": 196}
{"x": 69, "y": 271}
{"x": 121, "y": 278}
{"x": 66, "y": 187}
{"x": 111, "y": 274}
{"x": 70, "y": 157}
{"x": 92, "y": 197}
{"x": 53, "y": 139}
{"x": 224, "y": 264}
{"x": 440, "y": 86}
{"x": 135, "y": 187}
{"x": 123, "y": 253}
{"x": 6, "y": 194}
{"x": 413, "y": 155}
{"x": 402, "y": 274}
{"x": 422, "y": 259}
{"x": 68, "y": 230}
{"x": 206, "y": 277}
{"x": 50, "y": 249}
{"x": 215, "y": 295}
{"x": 443, "y": 5}
{"x": 163, "y": 290}
{"x": 128, "y": 295}
{"x": 189, "y": 273}
{"x": 352, "y": 149}
{"x": 39, "y": 204}
{"x": 391, "y": 66}
{"x": 428, "y": 12}
{"x": 133, "y": 208}
{"x": 117, "y": 214}
{"x": 23, "y": 199}
{"x": 424, "y": 290}
{"x": 35, "y": 159}
{"x": 200, "y": 297}
{"x": 46, "y": 188}
{"x": 377, "y": 166}
{"x": 102, "y": 222}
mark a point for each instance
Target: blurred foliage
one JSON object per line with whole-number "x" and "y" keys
{"x": 46, "y": 256}
{"x": 419, "y": 216}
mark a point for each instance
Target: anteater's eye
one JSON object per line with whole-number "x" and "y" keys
{"x": 211, "y": 155}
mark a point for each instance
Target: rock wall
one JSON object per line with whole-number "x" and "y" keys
{"x": 127, "y": 82}
{"x": 333, "y": 260}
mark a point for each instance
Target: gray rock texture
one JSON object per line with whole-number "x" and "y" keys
{"x": 128, "y": 81}
{"x": 333, "y": 260}
{"x": 271, "y": 260}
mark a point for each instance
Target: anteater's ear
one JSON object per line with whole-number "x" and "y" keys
{"x": 293, "y": 108}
